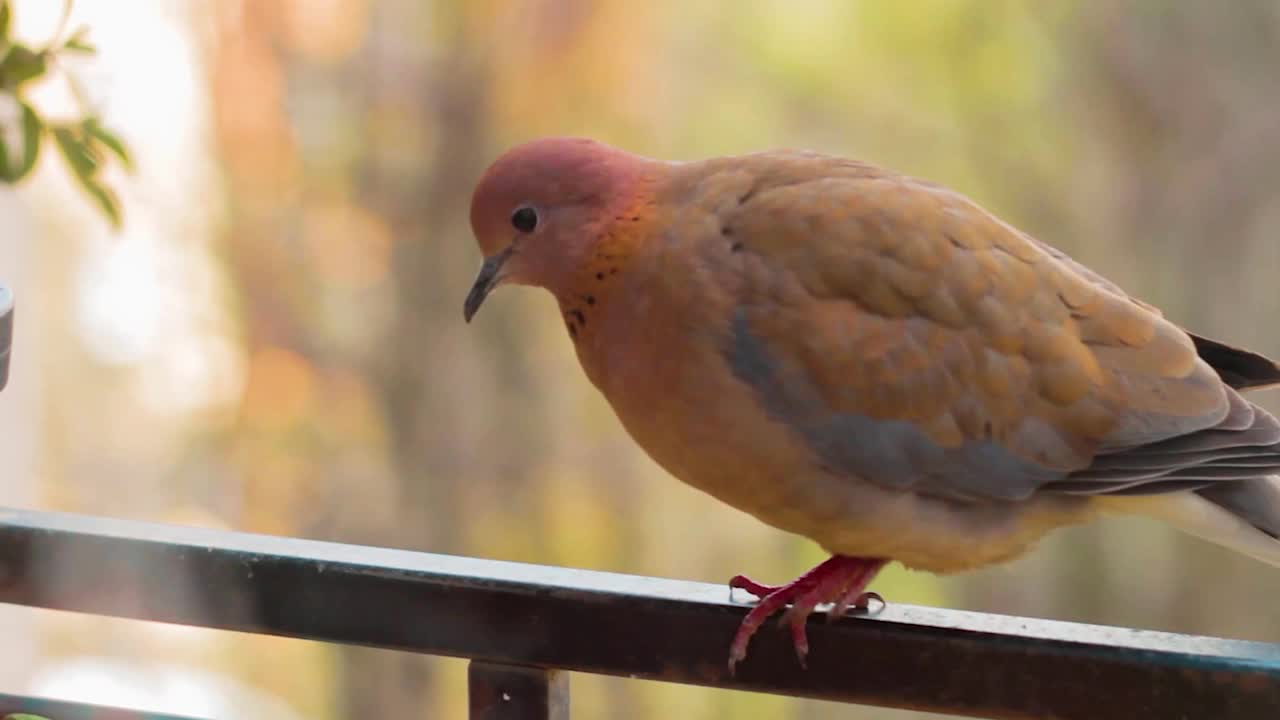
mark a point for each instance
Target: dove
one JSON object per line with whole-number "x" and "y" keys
{"x": 874, "y": 362}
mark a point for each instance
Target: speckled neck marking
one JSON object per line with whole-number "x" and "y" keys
{"x": 594, "y": 285}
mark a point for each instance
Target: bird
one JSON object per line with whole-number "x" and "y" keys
{"x": 874, "y": 362}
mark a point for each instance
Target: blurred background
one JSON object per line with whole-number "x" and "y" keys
{"x": 273, "y": 341}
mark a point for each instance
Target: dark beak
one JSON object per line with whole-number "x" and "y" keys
{"x": 485, "y": 282}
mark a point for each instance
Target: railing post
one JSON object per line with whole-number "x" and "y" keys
{"x": 517, "y": 692}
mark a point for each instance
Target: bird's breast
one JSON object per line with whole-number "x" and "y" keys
{"x": 655, "y": 349}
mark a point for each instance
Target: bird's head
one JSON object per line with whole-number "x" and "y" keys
{"x": 539, "y": 209}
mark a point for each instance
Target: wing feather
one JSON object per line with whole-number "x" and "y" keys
{"x": 912, "y": 339}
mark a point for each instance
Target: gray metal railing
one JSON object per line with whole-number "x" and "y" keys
{"x": 62, "y": 710}
{"x": 524, "y": 625}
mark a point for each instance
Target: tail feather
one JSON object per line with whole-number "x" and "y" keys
{"x": 1240, "y": 513}
{"x": 1242, "y": 516}
{"x": 1241, "y": 369}
{"x": 1257, "y": 501}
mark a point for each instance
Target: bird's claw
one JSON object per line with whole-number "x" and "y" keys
{"x": 839, "y": 580}
{"x": 861, "y": 602}
{"x": 760, "y": 590}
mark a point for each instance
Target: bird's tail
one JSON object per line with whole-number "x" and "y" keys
{"x": 1243, "y": 516}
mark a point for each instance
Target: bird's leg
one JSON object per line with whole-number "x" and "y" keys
{"x": 839, "y": 579}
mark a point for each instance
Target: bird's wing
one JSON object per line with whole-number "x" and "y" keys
{"x": 911, "y": 339}
{"x": 1238, "y": 368}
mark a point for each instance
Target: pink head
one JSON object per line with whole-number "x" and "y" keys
{"x": 540, "y": 207}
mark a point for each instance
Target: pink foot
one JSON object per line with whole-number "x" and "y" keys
{"x": 839, "y": 579}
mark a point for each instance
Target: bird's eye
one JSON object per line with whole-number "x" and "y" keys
{"x": 524, "y": 219}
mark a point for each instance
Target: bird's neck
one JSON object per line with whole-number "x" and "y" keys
{"x": 592, "y": 291}
{"x": 589, "y": 292}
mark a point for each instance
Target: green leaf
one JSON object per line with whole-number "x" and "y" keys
{"x": 78, "y": 155}
{"x": 20, "y": 65}
{"x": 6, "y": 171}
{"x": 24, "y": 716}
{"x": 6, "y": 15}
{"x": 79, "y": 42}
{"x": 14, "y": 168}
{"x": 105, "y": 197}
{"x": 93, "y": 128}
{"x": 32, "y": 128}
{"x": 84, "y": 164}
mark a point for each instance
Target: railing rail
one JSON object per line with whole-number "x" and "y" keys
{"x": 521, "y": 624}
{"x": 62, "y": 710}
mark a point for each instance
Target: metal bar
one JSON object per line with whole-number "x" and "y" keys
{"x": 6, "y": 333}
{"x": 64, "y": 710}
{"x": 913, "y": 657}
{"x": 515, "y": 692}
